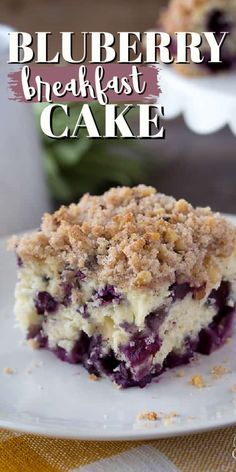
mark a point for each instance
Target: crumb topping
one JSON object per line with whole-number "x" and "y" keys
{"x": 33, "y": 343}
{"x": 197, "y": 381}
{"x": 180, "y": 373}
{"x": 93, "y": 377}
{"x": 218, "y": 371}
{"x": 8, "y": 370}
{"x": 169, "y": 418}
{"x": 166, "y": 418}
{"x": 191, "y": 418}
{"x": 148, "y": 415}
{"x": 132, "y": 237}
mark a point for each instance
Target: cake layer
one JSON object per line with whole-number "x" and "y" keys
{"x": 128, "y": 283}
{"x": 138, "y": 331}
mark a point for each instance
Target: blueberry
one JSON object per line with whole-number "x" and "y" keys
{"x": 155, "y": 319}
{"x": 67, "y": 289}
{"x": 140, "y": 348}
{"x": 228, "y": 59}
{"x": 106, "y": 295}
{"x": 83, "y": 310}
{"x": 80, "y": 275}
{"x": 40, "y": 337}
{"x": 217, "y": 22}
{"x": 124, "y": 378}
{"x": 215, "y": 335}
{"x": 45, "y": 303}
{"x": 19, "y": 261}
{"x": 179, "y": 291}
{"x": 78, "y": 352}
{"x": 61, "y": 353}
{"x": 128, "y": 327}
{"x": 218, "y": 297}
{"x": 45, "y": 278}
{"x": 176, "y": 359}
{"x": 33, "y": 331}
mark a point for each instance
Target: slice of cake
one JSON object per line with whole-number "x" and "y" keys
{"x": 198, "y": 16}
{"x": 129, "y": 283}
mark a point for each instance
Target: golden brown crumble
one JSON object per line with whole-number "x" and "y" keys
{"x": 33, "y": 343}
{"x": 169, "y": 418}
{"x": 8, "y": 370}
{"x": 233, "y": 389}
{"x": 197, "y": 381}
{"x": 166, "y": 419}
{"x": 218, "y": 371}
{"x": 93, "y": 377}
{"x": 133, "y": 237}
{"x": 148, "y": 415}
{"x": 180, "y": 373}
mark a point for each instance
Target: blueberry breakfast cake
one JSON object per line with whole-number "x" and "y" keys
{"x": 129, "y": 283}
{"x": 201, "y": 16}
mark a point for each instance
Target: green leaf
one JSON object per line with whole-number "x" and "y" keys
{"x": 69, "y": 152}
{"x": 75, "y": 166}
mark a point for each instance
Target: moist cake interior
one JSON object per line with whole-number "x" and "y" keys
{"x": 129, "y": 283}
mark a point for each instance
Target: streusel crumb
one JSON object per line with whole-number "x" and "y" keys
{"x": 179, "y": 373}
{"x": 133, "y": 237}
{"x": 93, "y": 377}
{"x": 169, "y": 418}
{"x": 8, "y": 370}
{"x": 33, "y": 343}
{"x": 148, "y": 415}
{"x": 198, "y": 381}
{"x": 218, "y": 371}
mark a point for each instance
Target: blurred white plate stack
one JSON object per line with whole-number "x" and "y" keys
{"x": 23, "y": 194}
{"x": 207, "y": 103}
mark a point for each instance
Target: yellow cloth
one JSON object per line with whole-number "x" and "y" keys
{"x": 206, "y": 452}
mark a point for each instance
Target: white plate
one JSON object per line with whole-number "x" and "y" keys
{"x": 198, "y": 99}
{"x": 58, "y": 399}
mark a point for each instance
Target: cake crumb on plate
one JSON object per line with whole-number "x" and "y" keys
{"x": 148, "y": 415}
{"x": 8, "y": 370}
{"x": 93, "y": 377}
{"x": 198, "y": 381}
{"x": 169, "y": 418}
{"x": 180, "y": 373}
{"x": 33, "y": 343}
{"x": 218, "y": 371}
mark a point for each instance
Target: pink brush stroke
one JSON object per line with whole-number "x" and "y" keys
{"x": 66, "y": 73}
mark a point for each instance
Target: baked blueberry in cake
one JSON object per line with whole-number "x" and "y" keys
{"x": 201, "y": 16}
{"x": 129, "y": 283}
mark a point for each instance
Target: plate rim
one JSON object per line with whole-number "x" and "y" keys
{"x": 144, "y": 434}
